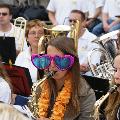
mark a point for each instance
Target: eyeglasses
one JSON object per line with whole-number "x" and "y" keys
{"x": 72, "y": 20}
{"x": 43, "y": 61}
{"x": 35, "y": 33}
{"x": 3, "y": 14}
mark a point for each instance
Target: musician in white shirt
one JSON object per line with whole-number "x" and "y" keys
{"x": 7, "y": 29}
{"x": 85, "y": 44}
{"x": 59, "y": 10}
{"x": 110, "y": 21}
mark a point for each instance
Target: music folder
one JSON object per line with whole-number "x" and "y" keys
{"x": 99, "y": 85}
{"x": 20, "y": 79}
{"x": 7, "y": 49}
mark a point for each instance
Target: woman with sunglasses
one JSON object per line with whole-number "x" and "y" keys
{"x": 112, "y": 110}
{"x": 66, "y": 95}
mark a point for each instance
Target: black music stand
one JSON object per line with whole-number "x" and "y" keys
{"x": 7, "y": 49}
{"x": 20, "y": 79}
{"x": 99, "y": 85}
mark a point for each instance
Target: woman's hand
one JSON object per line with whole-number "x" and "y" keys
{"x": 13, "y": 98}
{"x": 84, "y": 68}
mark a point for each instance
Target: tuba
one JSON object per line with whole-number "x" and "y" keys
{"x": 104, "y": 69}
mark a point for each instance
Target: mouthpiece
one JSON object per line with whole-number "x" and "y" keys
{"x": 50, "y": 74}
{"x": 113, "y": 89}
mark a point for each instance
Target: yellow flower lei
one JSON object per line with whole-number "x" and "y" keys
{"x": 61, "y": 102}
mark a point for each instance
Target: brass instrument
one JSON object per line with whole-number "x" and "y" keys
{"x": 55, "y": 31}
{"x": 99, "y": 102}
{"x": 19, "y": 31}
{"x": 75, "y": 31}
{"x": 105, "y": 68}
{"x": 40, "y": 45}
{"x": 32, "y": 103}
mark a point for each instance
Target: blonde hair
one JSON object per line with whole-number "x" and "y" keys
{"x": 33, "y": 23}
{"x": 8, "y": 112}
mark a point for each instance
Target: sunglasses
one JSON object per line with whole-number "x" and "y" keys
{"x": 3, "y": 14}
{"x": 72, "y": 20}
{"x": 43, "y": 61}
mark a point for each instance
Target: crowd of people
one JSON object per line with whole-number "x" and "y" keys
{"x": 66, "y": 95}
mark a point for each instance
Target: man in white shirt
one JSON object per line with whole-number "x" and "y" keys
{"x": 110, "y": 21}
{"x": 7, "y": 29}
{"x": 59, "y": 10}
{"x": 84, "y": 41}
{"x": 94, "y": 10}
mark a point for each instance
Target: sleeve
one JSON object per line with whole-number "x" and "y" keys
{"x": 82, "y": 6}
{"x": 51, "y": 6}
{"x": 87, "y": 106}
{"x": 105, "y": 8}
{"x": 99, "y": 3}
{"x": 5, "y": 92}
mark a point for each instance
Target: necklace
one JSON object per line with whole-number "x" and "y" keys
{"x": 61, "y": 101}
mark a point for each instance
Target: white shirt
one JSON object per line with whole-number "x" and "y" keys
{"x": 111, "y": 8}
{"x": 24, "y": 60}
{"x": 85, "y": 46}
{"x": 5, "y": 91}
{"x": 62, "y": 9}
{"x": 92, "y": 5}
{"x": 19, "y": 36}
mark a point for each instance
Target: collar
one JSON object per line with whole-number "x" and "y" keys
{"x": 85, "y": 34}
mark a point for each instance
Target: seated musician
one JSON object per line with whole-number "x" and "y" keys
{"x": 34, "y": 31}
{"x": 5, "y": 86}
{"x": 112, "y": 109}
{"x": 64, "y": 96}
{"x": 85, "y": 44}
{"x": 7, "y": 29}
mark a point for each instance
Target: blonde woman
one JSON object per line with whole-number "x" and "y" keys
{"x": 113, "y": 106}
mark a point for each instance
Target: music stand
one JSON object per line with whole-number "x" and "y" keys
{"x": 99, "y": 85}
{"x": 7, "y": 49}
{"x": 20, "y": 79}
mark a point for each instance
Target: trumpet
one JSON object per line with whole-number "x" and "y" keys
{"x": 74, "y": 33}
{"x": 99, "y": 102}
{"x": 33, "y": 102}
